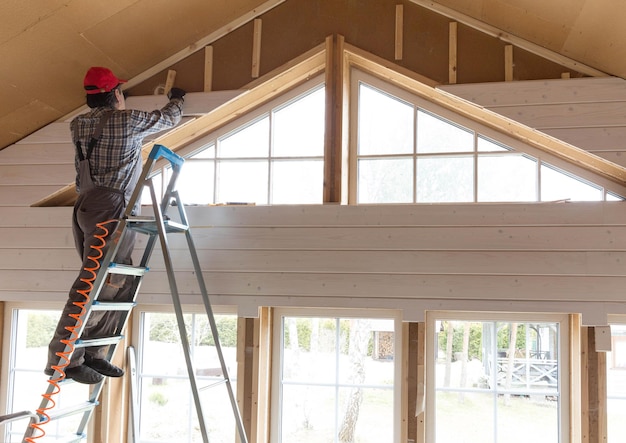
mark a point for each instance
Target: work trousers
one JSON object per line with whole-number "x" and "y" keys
{"x": 95, "y": 206}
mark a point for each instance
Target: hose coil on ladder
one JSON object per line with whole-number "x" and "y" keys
{"x": 64, "y": 356}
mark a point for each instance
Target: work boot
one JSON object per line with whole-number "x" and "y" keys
{"x": 103, "y": 366}
{"x": 81, "y": 374}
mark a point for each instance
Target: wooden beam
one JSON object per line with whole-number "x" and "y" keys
{"x": 208, "y": 68}
{"x": 399, "y": 32}
{"x": 256, "y": 48}
{"x": 508, "y": 38}
{"x": 334, "y": 146}
{"x": 508, "y": 63}
{"x": 452, "y": 52}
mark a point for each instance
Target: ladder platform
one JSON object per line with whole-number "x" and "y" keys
{"x": 118, "y": 268}
{"x": 148, "y": 225}
{"x": 112, "y": 306}
{"x": 102, "y": 341}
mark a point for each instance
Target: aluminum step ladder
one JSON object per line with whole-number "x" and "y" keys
{"x": 157, "y": 227}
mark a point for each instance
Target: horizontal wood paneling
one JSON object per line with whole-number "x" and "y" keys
{"x": 24, "y": 195}
{"x": 401, "y": 256}
{"x": 38, "y": 154}
{"x": 589, "y": 113}
{"x": 534, "y": 92}
{"x": 59, "y": 175}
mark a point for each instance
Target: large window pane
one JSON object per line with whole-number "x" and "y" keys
{"x": 436, "y": 134}
{"x": 196, "y": 183}
{"x": 385, "y": 123}
{"x": 167, "y": 410}
{"x": 445, "y": 179}
{"x": 507, "y": 178}
{"x": 337, "y": 380}
{"x": 241, "y": 181}
{"x": 250, "y": 141}
{"x": 558, "y": 185}
{"x": 387, "y": 180}
{"x": 501, "y": 375}
{"x": 297, "y": 181}
{"x": 299, "y": 127}
{"x": 30, "y": 335}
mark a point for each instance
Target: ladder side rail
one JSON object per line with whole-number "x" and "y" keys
{"x": 136, "y": 195}
{"x": 179, "y": 315}
{"x": 209, "y": 310}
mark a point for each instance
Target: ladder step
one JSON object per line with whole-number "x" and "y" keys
{"x": 98, "y": 341}
{"x": 112, "y": 306}
{"x": 118, "y": 268}
{"x": 78, "y": 408}
{"x": 148, "y": 225}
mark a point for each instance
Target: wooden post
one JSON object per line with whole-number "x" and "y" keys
{"x": 452, "y": 53}
{"x": 256, "y": 48}
{"x": 594, "y": 426}
{"x": 508, "y": 63}
{"x": 414, "y": 354}
{"x": 399, "y": 31}
{"x": 336, "y": 109}
{"x": 208, "y": 68}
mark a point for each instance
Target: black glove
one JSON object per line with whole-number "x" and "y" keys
{"x": 176, "y": 93}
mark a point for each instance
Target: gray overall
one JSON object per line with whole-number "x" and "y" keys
{"x": 95, "y": 204}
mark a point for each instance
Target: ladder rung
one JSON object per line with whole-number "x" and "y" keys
{"x": 118, "y": 268}
{"x": 148, "y": 225}
{"x": 112, "y": 306}
{"x": 72, "y": 410}
{"x": 98, "y": 341}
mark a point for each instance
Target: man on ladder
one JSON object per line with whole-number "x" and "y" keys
{"x": 108, "y": 142}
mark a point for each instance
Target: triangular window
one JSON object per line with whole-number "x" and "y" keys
{"x": 407, "y": 150}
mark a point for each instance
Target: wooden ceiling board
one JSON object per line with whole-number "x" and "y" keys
{"x": 24, "y": 15}
{"x": 599, "y": 37}
{"x": 159, "y": 30}
{"x": 24, "y": 120}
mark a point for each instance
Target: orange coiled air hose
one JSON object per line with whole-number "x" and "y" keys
{"x": 64, "y": 357}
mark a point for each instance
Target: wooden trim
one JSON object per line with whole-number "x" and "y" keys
{"x": 263, "y": 347}
{"x": 169, "y": 81}
{"x": 208, "y": 68}
{"x": 508, "y": 63}
{"x": 452, "y": 52}
{"x": 420, "y": 436}
{"x": 508, "y": 38}
{"x": 576, "y": 359}
{"x": 256, "y": 47}
{"x": 398, "y": 46}
{"x": 245, "y": 373}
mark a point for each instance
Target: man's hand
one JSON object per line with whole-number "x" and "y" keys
{"x": 176, "y": 93}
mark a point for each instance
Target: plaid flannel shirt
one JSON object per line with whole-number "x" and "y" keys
{"x": 118, "y": 151}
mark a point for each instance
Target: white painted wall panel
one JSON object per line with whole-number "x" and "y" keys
{"x": 410, "y": 257}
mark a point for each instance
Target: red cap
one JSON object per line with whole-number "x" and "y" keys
{"x": 99, "y": 80}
